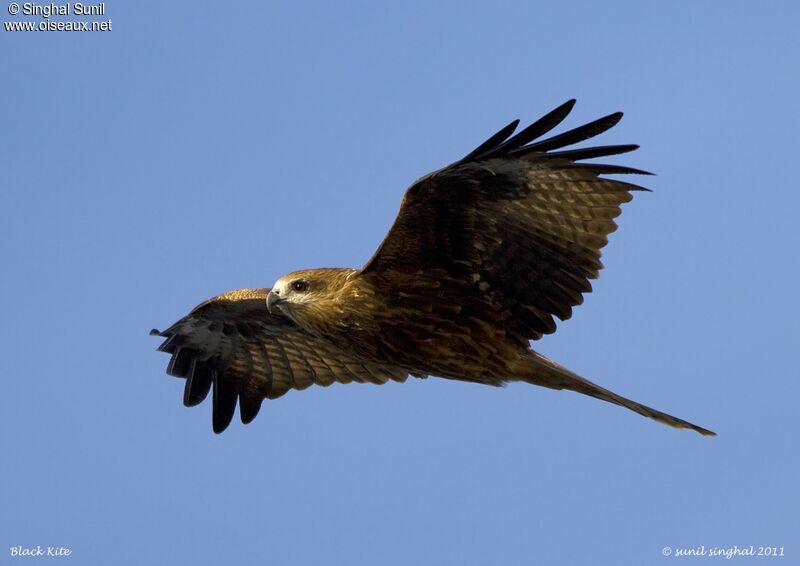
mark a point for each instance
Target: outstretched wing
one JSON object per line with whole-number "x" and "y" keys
{"x": 232, "y": 345}
{"x": 520, "y": 222}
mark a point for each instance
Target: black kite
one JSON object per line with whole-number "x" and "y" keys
{"x": 483, "y": 255}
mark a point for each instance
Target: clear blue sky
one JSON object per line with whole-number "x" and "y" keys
{"x": 201, "y": 147}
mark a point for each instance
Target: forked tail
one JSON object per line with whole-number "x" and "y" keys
{"x": 542, "y": 371}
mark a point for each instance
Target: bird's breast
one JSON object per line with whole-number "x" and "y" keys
{"x": 428, "y": 333}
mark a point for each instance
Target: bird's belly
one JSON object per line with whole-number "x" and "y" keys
{"x": 455, "y": 348}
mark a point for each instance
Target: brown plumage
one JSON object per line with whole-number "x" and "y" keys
{"x": 483, "y": 255}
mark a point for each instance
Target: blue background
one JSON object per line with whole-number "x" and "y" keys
{"x": 201, "y": 147}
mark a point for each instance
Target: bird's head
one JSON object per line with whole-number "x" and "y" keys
{"x": 301, "y": 290}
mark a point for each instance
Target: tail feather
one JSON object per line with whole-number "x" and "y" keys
{"x": 547, "y": 373}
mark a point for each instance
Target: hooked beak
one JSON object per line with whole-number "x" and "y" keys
{"x": 273, "y": 301}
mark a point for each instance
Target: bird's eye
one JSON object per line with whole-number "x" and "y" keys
{"x": 300, "y": 286}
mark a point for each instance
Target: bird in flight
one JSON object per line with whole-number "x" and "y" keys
{"x": 482, "y": 257}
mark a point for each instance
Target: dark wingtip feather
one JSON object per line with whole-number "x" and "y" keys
{"x": 198, "y": 383}
{"x": 223, "y": 403}
{"x": 503, "y": 143}
{"x": 249, "y": 406}
{"x": 575, "y": 135}
{"x": 169, "y": 345}
{"x": 632, "y": 187}
{"x": 592, "y": 152}
{"x": 180, "y": 362}
{"x": 493, "y": 141}
{"x": 603, "y": 169}
{"x": 530, "y": 133}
